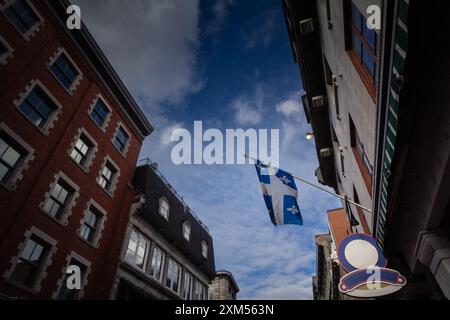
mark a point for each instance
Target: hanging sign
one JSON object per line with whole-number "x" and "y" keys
{"x": 365, "y": 263}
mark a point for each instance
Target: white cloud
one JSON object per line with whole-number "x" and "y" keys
{"x": 263, "y": 32}
{"x": 220, "y": 12}
{"x": 248, "y": 109}
{"x": 288, "y": 107}
{"x": 152, "y": 44}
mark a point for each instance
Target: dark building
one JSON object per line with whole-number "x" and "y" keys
{"x": 379, "y": 105}
{"x": 168, "y": 252}
{"x": 70, "y": 136}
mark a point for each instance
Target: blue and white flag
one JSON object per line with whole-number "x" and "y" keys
{"x": 280, "y": 195}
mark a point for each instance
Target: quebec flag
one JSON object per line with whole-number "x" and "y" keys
{"x": 280, "y": 195}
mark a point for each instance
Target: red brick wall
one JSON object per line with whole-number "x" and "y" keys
{"x": 19, "y": 209}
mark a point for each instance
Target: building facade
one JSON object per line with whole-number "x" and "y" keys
{"x": 381, "y": 124}
{"x": 223, "y": 286}
{"x": 167, "y": 252}
{"x": 70, "y": 136}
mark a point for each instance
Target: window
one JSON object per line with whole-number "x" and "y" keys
{"x": 100, "y": 113}
{"x": 91, "y": 224}
{"x": 204, "y": 249}
{"x": 60, "y": 197}
{"x": 81, "y": 150}
{"x": 361, "y": 156}
{"x": 121, "y": 139}
{"x": 38, "y": 107}
{"x": 72, "y": 294}
{"x": 200, "y": 291}
{"x": 157, "y": 263}
{"x": 137, "y": 250}
{"x": 107, "y": 176}
{"x": 330, "y": 22}
{"x": 363, "y": 47}
{"x": 362, "y": 217}
{"x": 187, "y": 286}
{"x": 187, "y": 230}
{"x": 3, "y": 49}
{"x": 6, "y": 52}
{"x": 173, "y": 275}
{"x": 21, "y": 15}
{"x": 11, "y": 156}
{"x": 164, "y": 208}
{"x": 65, "y": 71}
{"x": 30, "y": 262}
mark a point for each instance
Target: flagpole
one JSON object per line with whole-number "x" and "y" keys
{"x": 319, "y": 187}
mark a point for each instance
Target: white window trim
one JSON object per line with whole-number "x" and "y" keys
{"x": 92, "y": 153}
{"x": 160, "y": 199}
{"x": 84, "y": 281}
{"x": 127, "y": 146}
{"x": 115, "y": 181}
{"x": 147, "y": 251}
{"x": 17, "y": 175}
{"x": 34, "y": 29}
{"x": 7, "y": 55}
{"x": 33, "y": 231}
{"x": 180, "y": 273}
{"x": 202, "y": 244}
{"x": 54, "y": 116}
{"x": 101, "y": 227}
{"x": 188, "y": 224}
{"x": 64, "y": 221}
{"x": 150, "y": 258}
{"x": 77, "y": 80}
{"x": 108, "y": 117}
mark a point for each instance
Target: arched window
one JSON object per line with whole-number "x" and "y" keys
{"x": 187, "y": 230}
{"x": 164, "y": 207}
{"x": 204, "y": 249}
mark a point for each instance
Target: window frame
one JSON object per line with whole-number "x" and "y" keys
{"x": 53, "y": 117}
{"x": 100, "y": 225}
{"x": 141, "y": 237}
{"x": 172, "y": 281}
{"x": 369, "y": 80}
{"x": 105, "y": 124}
{"x": 187, "y": 295}
{"x": 23, "y": 164}
{"x": 187, "y": 224}
{"x": 42, "y": 274}
{"x": 162, "y": 266}
{"x": 115, "y": 176}
{"x": 81, "y": 260}
{"x": 69, "y": 204}
{"x": 162, "y": 200}
{"x": 123, "y": 152}
{"x": 365, "y": 173}
{"x": 27, "y": 35}
{"x": 204, "y": 249}
{"x": 76, "y": 82}
{"x": 9, "y": 54}
{"x": 91, "y": 152}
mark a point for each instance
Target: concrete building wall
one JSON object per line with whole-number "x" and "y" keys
{"x": 353, "y": 99}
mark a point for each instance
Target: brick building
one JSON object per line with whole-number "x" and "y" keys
{"x": 224, "y": 286}
{"x": 70, "y": 136}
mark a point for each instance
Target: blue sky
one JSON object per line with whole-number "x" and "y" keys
{"x": 229, "y": 64}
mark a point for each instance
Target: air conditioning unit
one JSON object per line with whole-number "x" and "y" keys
{"x": 318, "y": 101}
{"x": 334, "y": 80}
{"x": 307, "y": 26}
{"x": 325, "y": 152}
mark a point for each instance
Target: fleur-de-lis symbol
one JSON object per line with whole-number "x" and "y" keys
{"x": 285, "y": 180}
{"x": 293, "y": 210}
